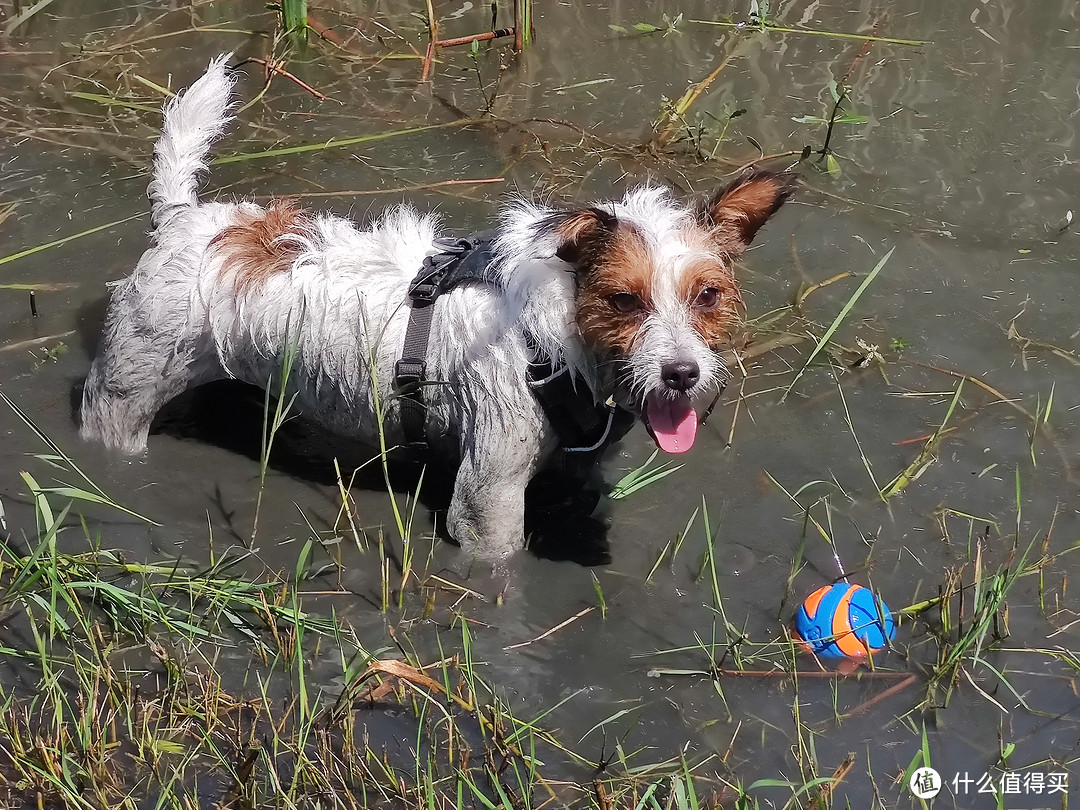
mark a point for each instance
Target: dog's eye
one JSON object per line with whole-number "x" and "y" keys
{"x": 708, "y": 298}
{"x": 625, "y": 302}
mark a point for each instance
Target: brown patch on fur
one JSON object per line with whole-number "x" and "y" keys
{"x": 714, "y": 323}
{"x": 625, "y": 266}
{"x": 736, "y": 213}
{"x": 253, "y": 249}
{"x": 583, "y": 235}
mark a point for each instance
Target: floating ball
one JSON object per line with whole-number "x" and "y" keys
{"x": 843, "y": 621}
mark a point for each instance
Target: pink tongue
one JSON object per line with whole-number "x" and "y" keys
{"x": 673, "y": 422}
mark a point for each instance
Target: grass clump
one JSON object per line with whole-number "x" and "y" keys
{"x": 180, "y": 685}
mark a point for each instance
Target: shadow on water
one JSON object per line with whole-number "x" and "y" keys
{"x": 559, "y": 511}
{"x": 564, "y": 519}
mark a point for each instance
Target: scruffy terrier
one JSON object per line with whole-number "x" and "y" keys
{"x": 624, "y": 303}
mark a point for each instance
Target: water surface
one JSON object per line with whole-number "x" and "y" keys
{"x": 960, "y": 159}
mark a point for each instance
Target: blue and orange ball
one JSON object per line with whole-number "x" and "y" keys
{"x": 844, "y": 621}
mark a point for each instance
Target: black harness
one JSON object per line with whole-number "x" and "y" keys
{"x": 583, "y": 427}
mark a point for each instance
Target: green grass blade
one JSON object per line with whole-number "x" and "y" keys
{"x": 926, "y": 456}
{"x": 810, "y": 32}
{"x": 642, "y": 477}
{"x": 26, "y": 15}
{"x": 839, "y": 319}
{"x": 335, "y": 143}
{"x": 57, "y": 242}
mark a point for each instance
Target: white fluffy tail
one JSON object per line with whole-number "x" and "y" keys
{"x": 193, "y": 121}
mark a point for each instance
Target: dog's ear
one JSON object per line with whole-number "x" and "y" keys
{"x": 581, "y": 234}
{"x": 735, "y": 213}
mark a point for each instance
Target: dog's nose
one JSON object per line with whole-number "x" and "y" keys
{"x": 680, "y": 376}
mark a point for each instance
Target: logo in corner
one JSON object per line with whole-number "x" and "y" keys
{"x": 925, "y": 783}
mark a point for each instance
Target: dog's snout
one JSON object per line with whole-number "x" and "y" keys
{"x": 680, "y": 376}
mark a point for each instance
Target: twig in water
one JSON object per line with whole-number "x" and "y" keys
{"x": 824, "y": 150}
{"x": 782, "y": 673}
{"x": 822, "y": 798}
{"x": 484, "y": 37}
{"x": 24, "y": 16}
{"x": 766, "y": 159}
{"x": 29, "y": 344}
{"x": 976, "y": 381}
{"x": 433, "y": 37}
{"x": 734, "y": 358}
{"x": 892, "y": 690}
{"x": 863, "y": 51}
{"x": 808, "y": 31}
{"x": 805, "y": 292}
{"x": 324, "y": 31}
{"x": 279, "y": 69}
{"x": 332, "y": 143}
{"x": 691, "y": 95}
{"x": 553, "y": 630}
{"x": 523, "y": 24}
{"x": 402, "y": 189}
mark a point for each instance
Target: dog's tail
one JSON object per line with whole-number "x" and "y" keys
{"x": 193, "y": 121}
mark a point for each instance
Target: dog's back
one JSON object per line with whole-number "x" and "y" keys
{"x": 225, "y": 287}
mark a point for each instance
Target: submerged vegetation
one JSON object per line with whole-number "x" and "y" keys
{"x": 215, "y": 679}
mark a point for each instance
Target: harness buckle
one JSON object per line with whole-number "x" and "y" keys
{"x": 456, "y": 246}
{"x": 424, "y": 292}
{"x": 408, "y": 374}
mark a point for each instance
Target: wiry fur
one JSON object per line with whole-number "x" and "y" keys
{"x": 191, "y": 127}
{"x": 224, "y": 288}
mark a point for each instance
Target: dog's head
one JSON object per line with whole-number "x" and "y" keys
{"x": 656, "y": 293}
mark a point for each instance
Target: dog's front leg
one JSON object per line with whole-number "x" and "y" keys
{"x": 500, "y": 451}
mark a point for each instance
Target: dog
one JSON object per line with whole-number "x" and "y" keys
{"x": 629, "y": 301}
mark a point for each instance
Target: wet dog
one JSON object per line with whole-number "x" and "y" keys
{"x": 629, "y": 299}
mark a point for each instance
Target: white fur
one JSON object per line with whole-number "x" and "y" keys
{"x": 180, "y": 320}
{"x": 190, "y": 130}
{"x": 667, "y": 334}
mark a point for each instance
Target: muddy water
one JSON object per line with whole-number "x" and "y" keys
{"x": 959, "y": 155}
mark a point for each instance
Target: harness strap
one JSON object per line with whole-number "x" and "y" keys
{"x": 582, "y": 426}
{"x": 410, "y": 371}
{"x": 571, "y": 412}
{"x": 457, "y": 261}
